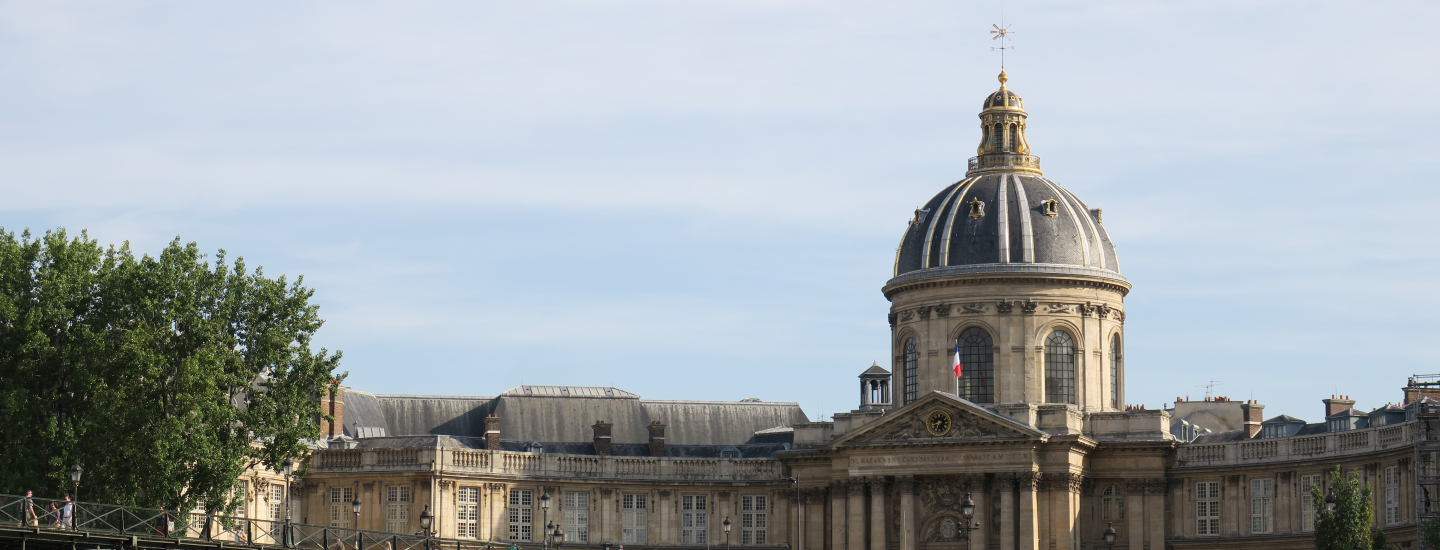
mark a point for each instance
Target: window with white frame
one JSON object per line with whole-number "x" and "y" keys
{"x": 633, "y": 519}
{"x": 340, "y": 510}
{"x": 522, "y": 503}
{"x": 754, "y": 520}
{"x": 1207, "y": 508}
{"x": 1392, "y": 495}
{"x": 467, "y": 513}
{"x": 694, "y": 519}
{"x": 276, "y": 500}
{"x": 1112, "y": 504}
{"x": 577, "y": 517}
{"x": 1307, "y": 502}
{"x": 397, "y": 509}
{"x": 1262, "y": 505}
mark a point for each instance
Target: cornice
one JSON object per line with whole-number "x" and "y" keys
{"x": 904, "y": 283}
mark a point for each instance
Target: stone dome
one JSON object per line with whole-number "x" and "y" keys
{"x": 1005, "y": 216}
{"x": 1017, "y": 222}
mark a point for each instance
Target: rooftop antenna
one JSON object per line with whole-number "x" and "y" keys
{"x": 1210, "y": 388}
{"x": 1002, "y": 33}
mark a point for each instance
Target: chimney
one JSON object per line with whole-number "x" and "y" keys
{"x": 1335, "y": 406}
{"x": 602, "y": 437}
{"x": 492, "y": 433}
{"x": 332, "y": 403}
{"x": 1254, "y": 414}
{"x": 657, "y": 438}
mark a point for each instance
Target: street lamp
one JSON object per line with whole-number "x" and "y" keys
{"x": 355, "y": 507}
{"x": 1330, "y": 500}
{"x": 1109, "y": 536}
{"x": 558, "y": 535}
{"x": 75, "y": 472}
{"x": 288, "y": 469}
{"x": 726, "y": 524}
{"x": 545, "y": 507}
{"x": 967, "y": 509}
{"x": 425, "y": 521}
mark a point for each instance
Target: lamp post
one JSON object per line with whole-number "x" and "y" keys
{"x": 289, "y": 470}
{"x": 1109, "y": 536}
{"x": 355, "y": 507}
{"x": 545, "y": 508}
{"x": 425, "y": 521}
{"x": 558, "y": 535}
{"x": 967, "y": 509}
{"x": 1330, "y": 500}
{"x": 75, "y": 472}
{"x": 726, "y": 525}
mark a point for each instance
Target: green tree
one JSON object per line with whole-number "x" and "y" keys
{"x": 1430, "y": 532}
{"x": 1347, "y": 527}
{"x": 164, "y": 377}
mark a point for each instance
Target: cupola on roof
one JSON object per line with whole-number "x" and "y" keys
{"x": 1005, "y": 216}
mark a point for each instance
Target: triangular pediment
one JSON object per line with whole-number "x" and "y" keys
{"x": 940, "y": 417}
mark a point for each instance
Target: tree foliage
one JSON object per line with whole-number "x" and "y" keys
{"x": 163, "y": 377}
{"x": 1430, "y": 532}
{"x": 1348, "y": 526}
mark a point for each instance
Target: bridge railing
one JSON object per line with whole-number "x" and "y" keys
{"x": 43, "y": 513}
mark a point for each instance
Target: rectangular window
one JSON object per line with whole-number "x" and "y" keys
{"x": 467, "y": 513}
{"x": 521, "y": 508}
{"x": 397, "y": 509}
{"x": 1392, "y": 495}
{"x": 276, "y": 500}
{"x": 1262, "y": 505}
{"x": 1307, "y": 502}
{"x": 633, "y": 519}
{"x": 577, "y": 517}
{"x": 1207, "y": 508}
{"x": 694, "y": 519}
{"x": 340, "y": 510}
{"x": 754, "y": 519}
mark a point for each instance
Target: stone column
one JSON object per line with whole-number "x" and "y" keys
{"x": 1135, "y": 513}
{"x": 1063, "y": 510}
{"x": 877, "y": 513}
{"x": 797, "y": 519}
{"x": 1029, "y": 528}
{"x": 979, "y": 537}
{"x": 815, "y": 521}
{"x": 1007, "y": 510}
{"x": 855, "y": 515}
{"x": 906, "y": 486}
{"x": 1155, "y": 510}
{"x": 838, "y": 534}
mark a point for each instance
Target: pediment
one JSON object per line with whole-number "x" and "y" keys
{"x": 940, "y": 417}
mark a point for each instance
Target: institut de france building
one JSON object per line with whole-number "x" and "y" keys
{"x": 1035, "y": 441}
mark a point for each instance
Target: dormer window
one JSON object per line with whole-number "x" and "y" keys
{"x": 730, "y": 452}
{"x": 977, "y": 208}
{"x": 1052, "y": 207}
{"x": 1337, "y": 425}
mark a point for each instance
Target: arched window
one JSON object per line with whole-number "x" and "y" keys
{"x": 912, "y": 370}
{"x": 977, "y": 360}
{"x": 1060, "y": 368}
{"x": 1112, "y": 504}
{"x": 1117, "y": 360}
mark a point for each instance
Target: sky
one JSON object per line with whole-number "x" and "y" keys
{"x": 701, "y": 200}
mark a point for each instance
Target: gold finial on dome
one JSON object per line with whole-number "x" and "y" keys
{"x": 1003, "y": 78}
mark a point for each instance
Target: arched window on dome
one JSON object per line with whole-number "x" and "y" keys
{"x": 977, "y": 360}
{"x": 911, "y": 370}
{"x": 1112, "y": 504}
{"x": 1117, "y": 361}
{"x": 1060, "y": 368}
{"x": 1013, "y": 141}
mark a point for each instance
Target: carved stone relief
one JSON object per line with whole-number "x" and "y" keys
{"x": 1029, "y": 306}
{"x": 942, "y": 310}
{"x": 906, "y": 315}
{"x": 1003, "y": 306}
{"x": 1055, "y": 309}
{"x": 974, "y": 308}
{"x": 923, "y": 311}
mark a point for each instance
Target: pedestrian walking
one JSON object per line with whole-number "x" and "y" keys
{"x": 28, "y": 518}
{"x": 67, "y": 514}
{"x": 54, "y": 516}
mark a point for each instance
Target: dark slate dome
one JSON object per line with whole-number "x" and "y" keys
{"x": 1003, "y": 99}
{"x": 1015, "y": 222}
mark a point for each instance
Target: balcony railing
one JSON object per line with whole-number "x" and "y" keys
{"x": 1283, "y": 449}
{"x": 518, "y": 464}
{"x": 1004, "y": 160}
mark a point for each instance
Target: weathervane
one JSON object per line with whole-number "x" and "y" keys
{"x": 1002, "y": 34}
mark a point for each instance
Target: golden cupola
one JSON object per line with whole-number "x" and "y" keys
{"x": 1002, "y": 141}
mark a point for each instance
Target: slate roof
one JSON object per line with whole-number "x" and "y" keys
{"x": 555, "y": 417}
{"x": 1285, "y": 418}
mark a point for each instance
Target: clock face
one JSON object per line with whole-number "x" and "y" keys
{"x": 938, "y": 423}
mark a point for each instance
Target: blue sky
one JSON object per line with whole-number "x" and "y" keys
{"x": 701, "y": 200}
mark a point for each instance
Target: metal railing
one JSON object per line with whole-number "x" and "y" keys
{"x": 92, "y": 517}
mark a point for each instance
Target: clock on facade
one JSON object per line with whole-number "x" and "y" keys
{"x": 938, "y": 422}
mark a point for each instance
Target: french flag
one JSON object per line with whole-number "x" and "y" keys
{"x": 958, "y": 371}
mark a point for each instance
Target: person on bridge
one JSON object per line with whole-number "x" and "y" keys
{"x": 67, "y": 514}
{"x": 28, "y": 518}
